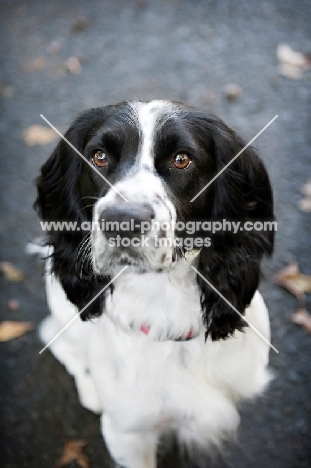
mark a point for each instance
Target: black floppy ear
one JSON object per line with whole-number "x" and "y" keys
{"x": 64, "y": 181}
{"x": 232, "y": 264}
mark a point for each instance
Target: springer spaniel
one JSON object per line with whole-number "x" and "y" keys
{"x": 159, "y": 347}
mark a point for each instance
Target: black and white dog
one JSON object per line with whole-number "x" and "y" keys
{"x": 158, "y": 349}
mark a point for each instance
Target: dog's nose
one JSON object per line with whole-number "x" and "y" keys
{"x": 126, "y": 219}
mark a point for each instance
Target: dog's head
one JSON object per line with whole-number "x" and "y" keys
{"x": 151, "y": 160}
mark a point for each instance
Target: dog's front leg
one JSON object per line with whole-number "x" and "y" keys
{"x": 130, "y": 449}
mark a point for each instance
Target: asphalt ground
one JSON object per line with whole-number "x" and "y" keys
{"x": 181, "y": 50}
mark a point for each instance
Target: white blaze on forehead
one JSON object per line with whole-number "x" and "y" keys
{"x": 151, "y": 116}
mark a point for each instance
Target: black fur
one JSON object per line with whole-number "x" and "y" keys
{"x": 60, "y": 198}
{"x": 232, "y": 263}
{"x": 67, "y": 186}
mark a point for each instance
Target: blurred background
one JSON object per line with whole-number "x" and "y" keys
{"x": 245, "y": 61}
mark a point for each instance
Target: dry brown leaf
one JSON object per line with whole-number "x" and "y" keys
{"x": 290, "y": 71}
{"x": 11, "y": 273}
{"x": 80, "y": 24}
{"x": 54, "y": 47}
{"x": 306, "y": 189}
{"x": 35, "y": 65}
{"x": 73, "y": 65}
{"x": 39, "y": 135}
{"x": 7, "y": 91}
{"x": 10, "y": 330}
{"x": 303, "y": 318}
{"x": 38, "y": 63}
{"x": 72, "y": 452}
{"x": 305, "y": 204}
{"x": 233, "y": 91}
{"x": 292, "y": 64}
{"x": 295, "y": 282}
{"x": 13, "y": 305}
{"x": 286, "y": 54}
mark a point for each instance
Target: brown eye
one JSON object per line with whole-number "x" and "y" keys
{"x": 182, "y": 161}
{"x": 100, "y": 159}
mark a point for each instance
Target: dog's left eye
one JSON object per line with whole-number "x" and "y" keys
{"x": 182, "y": 161}
{"x": 100, "y": 159}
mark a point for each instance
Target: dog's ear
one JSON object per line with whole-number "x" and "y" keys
{"x": 59, "y": 179}
{"x": 232, "y": 264}
{"x": 64, "y": 183}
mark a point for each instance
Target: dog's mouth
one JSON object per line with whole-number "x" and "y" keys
{"x": 134, "y": 263}
{"x": 139, "y": 264}
{"x": 136, "y": 260}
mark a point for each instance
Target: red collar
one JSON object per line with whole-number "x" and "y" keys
{"x": 188, "y": 336}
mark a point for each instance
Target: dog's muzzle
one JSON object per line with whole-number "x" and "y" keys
{"x": 126, "y": 220}
{"x": 130, "y": 233}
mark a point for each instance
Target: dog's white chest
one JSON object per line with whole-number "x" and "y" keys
{"x": 164, "y": 306}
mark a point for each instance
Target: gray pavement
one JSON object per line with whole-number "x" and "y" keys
{"x": 181, "y": 50}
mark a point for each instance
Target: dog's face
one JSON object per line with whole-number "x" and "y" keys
{"x": 157, "y": 159}
{"x": 152, "y": 159}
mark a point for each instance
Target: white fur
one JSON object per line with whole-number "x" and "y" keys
{"x": 146, "y": 386}
{"x": 148, "y": 115}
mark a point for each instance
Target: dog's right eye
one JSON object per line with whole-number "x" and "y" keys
{"x": 182, "y": 161}
{"x": 100, "y": 159}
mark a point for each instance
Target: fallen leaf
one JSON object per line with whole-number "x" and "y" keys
{"x": 73, "y": 65}
{"x": 7, "y": 91}
{"x": 72, "y": 452}
{"x": 305, "y": 204}
{"x": 303, "y": 318}
{"x": 290, "y": 71}
{"x": 306, "y": 189}
{"x": 13, "y": 305}
{"x": 10, "y": 330}
{"x": 287, "y": 55}
{"x": 295, "y": 282}
{"x": 38, "y": 63}
{"x": 80, "y": 24}
{"x": 11, "y": 273}
{"x": 54, "y": 47}
{"x": 39, "y": 135}
{"x": 233, "y": 91}
{"x": 35, "y": 65}
{"x": 292, "y": 64}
